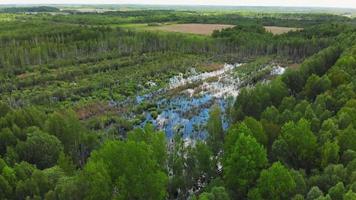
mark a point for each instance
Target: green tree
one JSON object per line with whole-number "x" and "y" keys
{"x": 296, "y": 145}
{"x": 133, "y": 169}
{"x": 243, "y": 164}
{"x": 257, "y": 130}
{"x": 40, "y": 149}
{"x": 216, "y": 193}
{"x": 347, "y": 139}
{"x": 5, "y": 188}
{"x": 316, "y": 85}
{"x": 4, "y": 109}
{"x": 337, "y": 191}
{"x": 77, "y": 141}
{"x": 274, "y": 183}
{"x": 314, "y": 193}
{"x": 203, "y": 159}
{"x": 215, "y": 130}
{"x": 271, "y": 114}
{"x": 71, "y": 188}
{"x": 7, "y": 138}
{"x": 156, "y": 139}
{"x": 68, "y": 129}
{"x": 233, "y": 134}
{"x": 66, "y": 164}
{"x": 329, "y": 153}
{"x": 350, "y": 195}
{"x": 98, "y": 182}
{"x": 177, "y": 162}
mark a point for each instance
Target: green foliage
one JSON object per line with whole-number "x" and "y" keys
{"x": 217, "y": 193}
{"x": 329, "y": 153}
{"x": 132, "y": 168}
{"x": 67, "y": 128}
{"x": 314, "y": 193}
{"x": 155, "y": 139}
{"x": 257, "y": 130}
{"x": 347, "y": 139}
{"x": 7, "y": 139}
{"x": 215, "y": 130}
{"x": 243, "y": 164}
{"x": 40, "y": 149}
{"x": 274, "y": 183}
{"x": 337, "y": 192}
{"x": 63, "y": 79}
{"x": 296, "y": 145}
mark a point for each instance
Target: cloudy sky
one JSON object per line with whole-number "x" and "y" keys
{"x": 300, "y": 3}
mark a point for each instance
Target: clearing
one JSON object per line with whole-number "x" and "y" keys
{"x": 201, "y": 29}
{"x": 277, "y": 30}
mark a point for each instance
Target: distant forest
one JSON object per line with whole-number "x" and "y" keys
{"x": 29, "y": 9}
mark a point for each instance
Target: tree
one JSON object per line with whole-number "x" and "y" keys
{"x": 215, "y": 130}
{"x": 329, "y": 153}
{"x": 40, "y": 149}
{"x": 156, "y": 139}
{"x": 300, "y": 181}
{"x": 177, "y": 162}
{"x": 330, "y": 176}
{"x": 347, "y": 139}
{"x": 316, "y": 85}
{"x": 271, "y": 114}
{"x": 4, "y": 109}
{"x": 72, "y": 188}
{"x": 7, "y": 138}
{"x": 67, "y": 128}
{"x": 5, "y": 188}
{"x": 97, "y": 178}
{"x": 296, "y": 145}
{"x": 243, "y": 164}
{"x": 203, "y": 160}
{"x": 314, "y": 193}
{"x": 350, "y": 195}
{"x": 294, "y": 80}
{"x": 216, "y": 193}
{"x": 337, "y": 192}
{"x": 338, "y": 77}
{"x": 257, "y": 130}
{"x": 274, "y": 183}
{"x": 133, "y": 169}
{"x": 233, "y": 134}
{"x": 66, "y": 164}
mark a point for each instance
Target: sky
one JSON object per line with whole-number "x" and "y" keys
{"x": 296, "y": 3}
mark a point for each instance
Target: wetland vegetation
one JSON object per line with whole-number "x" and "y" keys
{"x": 233, "y": 105}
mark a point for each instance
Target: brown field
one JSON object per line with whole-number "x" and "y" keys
{"x": 276, "y": 30}
{"x": 201, "y": 29}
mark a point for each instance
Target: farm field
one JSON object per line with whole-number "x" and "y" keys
{"x": 276, "y": 30}
{"x": 201, "y": 29}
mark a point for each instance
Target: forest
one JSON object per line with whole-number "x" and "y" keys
{"x": 95, "y": 105}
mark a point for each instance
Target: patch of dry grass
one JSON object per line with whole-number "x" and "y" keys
{"x": 277, "y": 30}
{"x": 201, "y": 29}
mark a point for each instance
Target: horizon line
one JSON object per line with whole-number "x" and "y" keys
{"x": 183, "y": 5}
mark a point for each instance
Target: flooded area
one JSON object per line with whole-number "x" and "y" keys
{"x": 185, "y": 110}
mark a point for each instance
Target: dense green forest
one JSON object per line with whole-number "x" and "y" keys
{"x": 61, "y": 137}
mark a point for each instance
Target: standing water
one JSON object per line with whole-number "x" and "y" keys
{"x": 186, "y": 112}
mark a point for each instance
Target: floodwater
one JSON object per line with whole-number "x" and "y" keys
{"x": 186, "y": 112}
